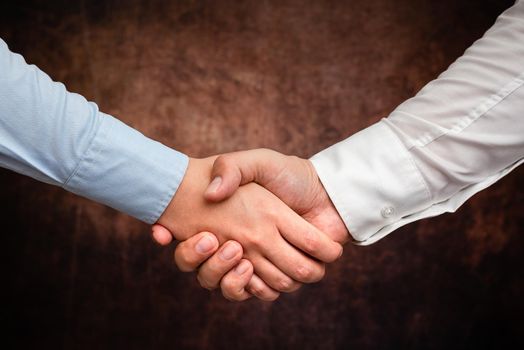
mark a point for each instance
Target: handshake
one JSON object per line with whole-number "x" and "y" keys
{"x": 253, "y": 223}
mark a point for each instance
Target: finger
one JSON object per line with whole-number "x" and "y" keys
{"x": 189, "y": 254}
{"x": 161, "y": 235}
{"x": 293, "y": 262}
{"x": 234, "y": 169}
{"x": 273, "y": 277}
{"x": 234, "y": 283}
{"x": 308, "y": 238}
{"x": 212, "y": 271}
{"x": 261, "y": 290}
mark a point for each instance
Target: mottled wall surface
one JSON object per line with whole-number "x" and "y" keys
{"x": 213, "y": 76}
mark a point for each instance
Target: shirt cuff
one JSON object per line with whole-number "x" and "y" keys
{"x": 128, "y": 171}
{"x": 372, "y": 181}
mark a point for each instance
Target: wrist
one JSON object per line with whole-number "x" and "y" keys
{"x": 326, "y": 209}
{"x": 178, "y": 216}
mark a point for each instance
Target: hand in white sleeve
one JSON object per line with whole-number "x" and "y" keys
{"x": 458, "y": 135}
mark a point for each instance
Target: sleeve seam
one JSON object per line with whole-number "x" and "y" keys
{"x": 86, "y": 152}
{"x": 475, "y": 114}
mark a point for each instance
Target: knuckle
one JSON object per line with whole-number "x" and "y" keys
{"x": 204, "y": 283}
{"x": 267, "y": 151}
{"x": 337, "y": 253}
{"x": 319, "y": 273}
{"x": 228, "y": 285}
{"x": 255, "y": 240}
{"x": 231, "y": 297}
{"x": 270, "y": 297}
{"x": 311, "y": 244}
{"x": 182, "y": 265}
{"x": 184, "y": 261}
{"x": 263, "y": 293}
{"x": 230, "y": 290}
{"x": 222, "y": 161}
{"x": 210, "y": 271}
{"x": 322, "y": 270}
{"x": 285, "y": 284}
{"x": 257, "y": 290}
{"x": 311, "y": 273}
{"x": 297, "y": 286}
{"x": 304, "y": 273}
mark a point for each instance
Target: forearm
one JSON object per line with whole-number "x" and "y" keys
{"x": 459, "y": 134}
{"x": 60, "y": 138}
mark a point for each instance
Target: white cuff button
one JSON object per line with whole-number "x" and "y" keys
{"x": 387, "y": 212}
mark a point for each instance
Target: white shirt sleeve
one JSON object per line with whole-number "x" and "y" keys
{"x": 460, "y": 134}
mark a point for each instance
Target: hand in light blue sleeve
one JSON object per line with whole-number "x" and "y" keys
{"x": 60, "y": 138}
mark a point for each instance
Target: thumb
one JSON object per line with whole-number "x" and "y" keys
{"x": 232, "y": 170}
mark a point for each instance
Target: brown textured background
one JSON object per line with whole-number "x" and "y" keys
{"x": 215, "y": 76}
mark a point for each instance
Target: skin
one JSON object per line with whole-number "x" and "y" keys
{"x": 292, "y": 179}
{"x": 281, "y": 246}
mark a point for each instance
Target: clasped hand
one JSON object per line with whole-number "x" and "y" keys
{"x": 263, "y": 225}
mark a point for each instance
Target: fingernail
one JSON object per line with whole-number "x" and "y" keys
{"x": 229, "y": 252}
{"x": 242, "y": 267}
{"x": 214, "y": 185}
{"x": 205, "y": 245}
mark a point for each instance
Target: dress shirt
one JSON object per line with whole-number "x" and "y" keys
{"x": 461, "y": 133}
{"x": 60, "y": 138}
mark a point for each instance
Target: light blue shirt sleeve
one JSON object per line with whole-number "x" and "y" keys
{"x": 60, "y": 138}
